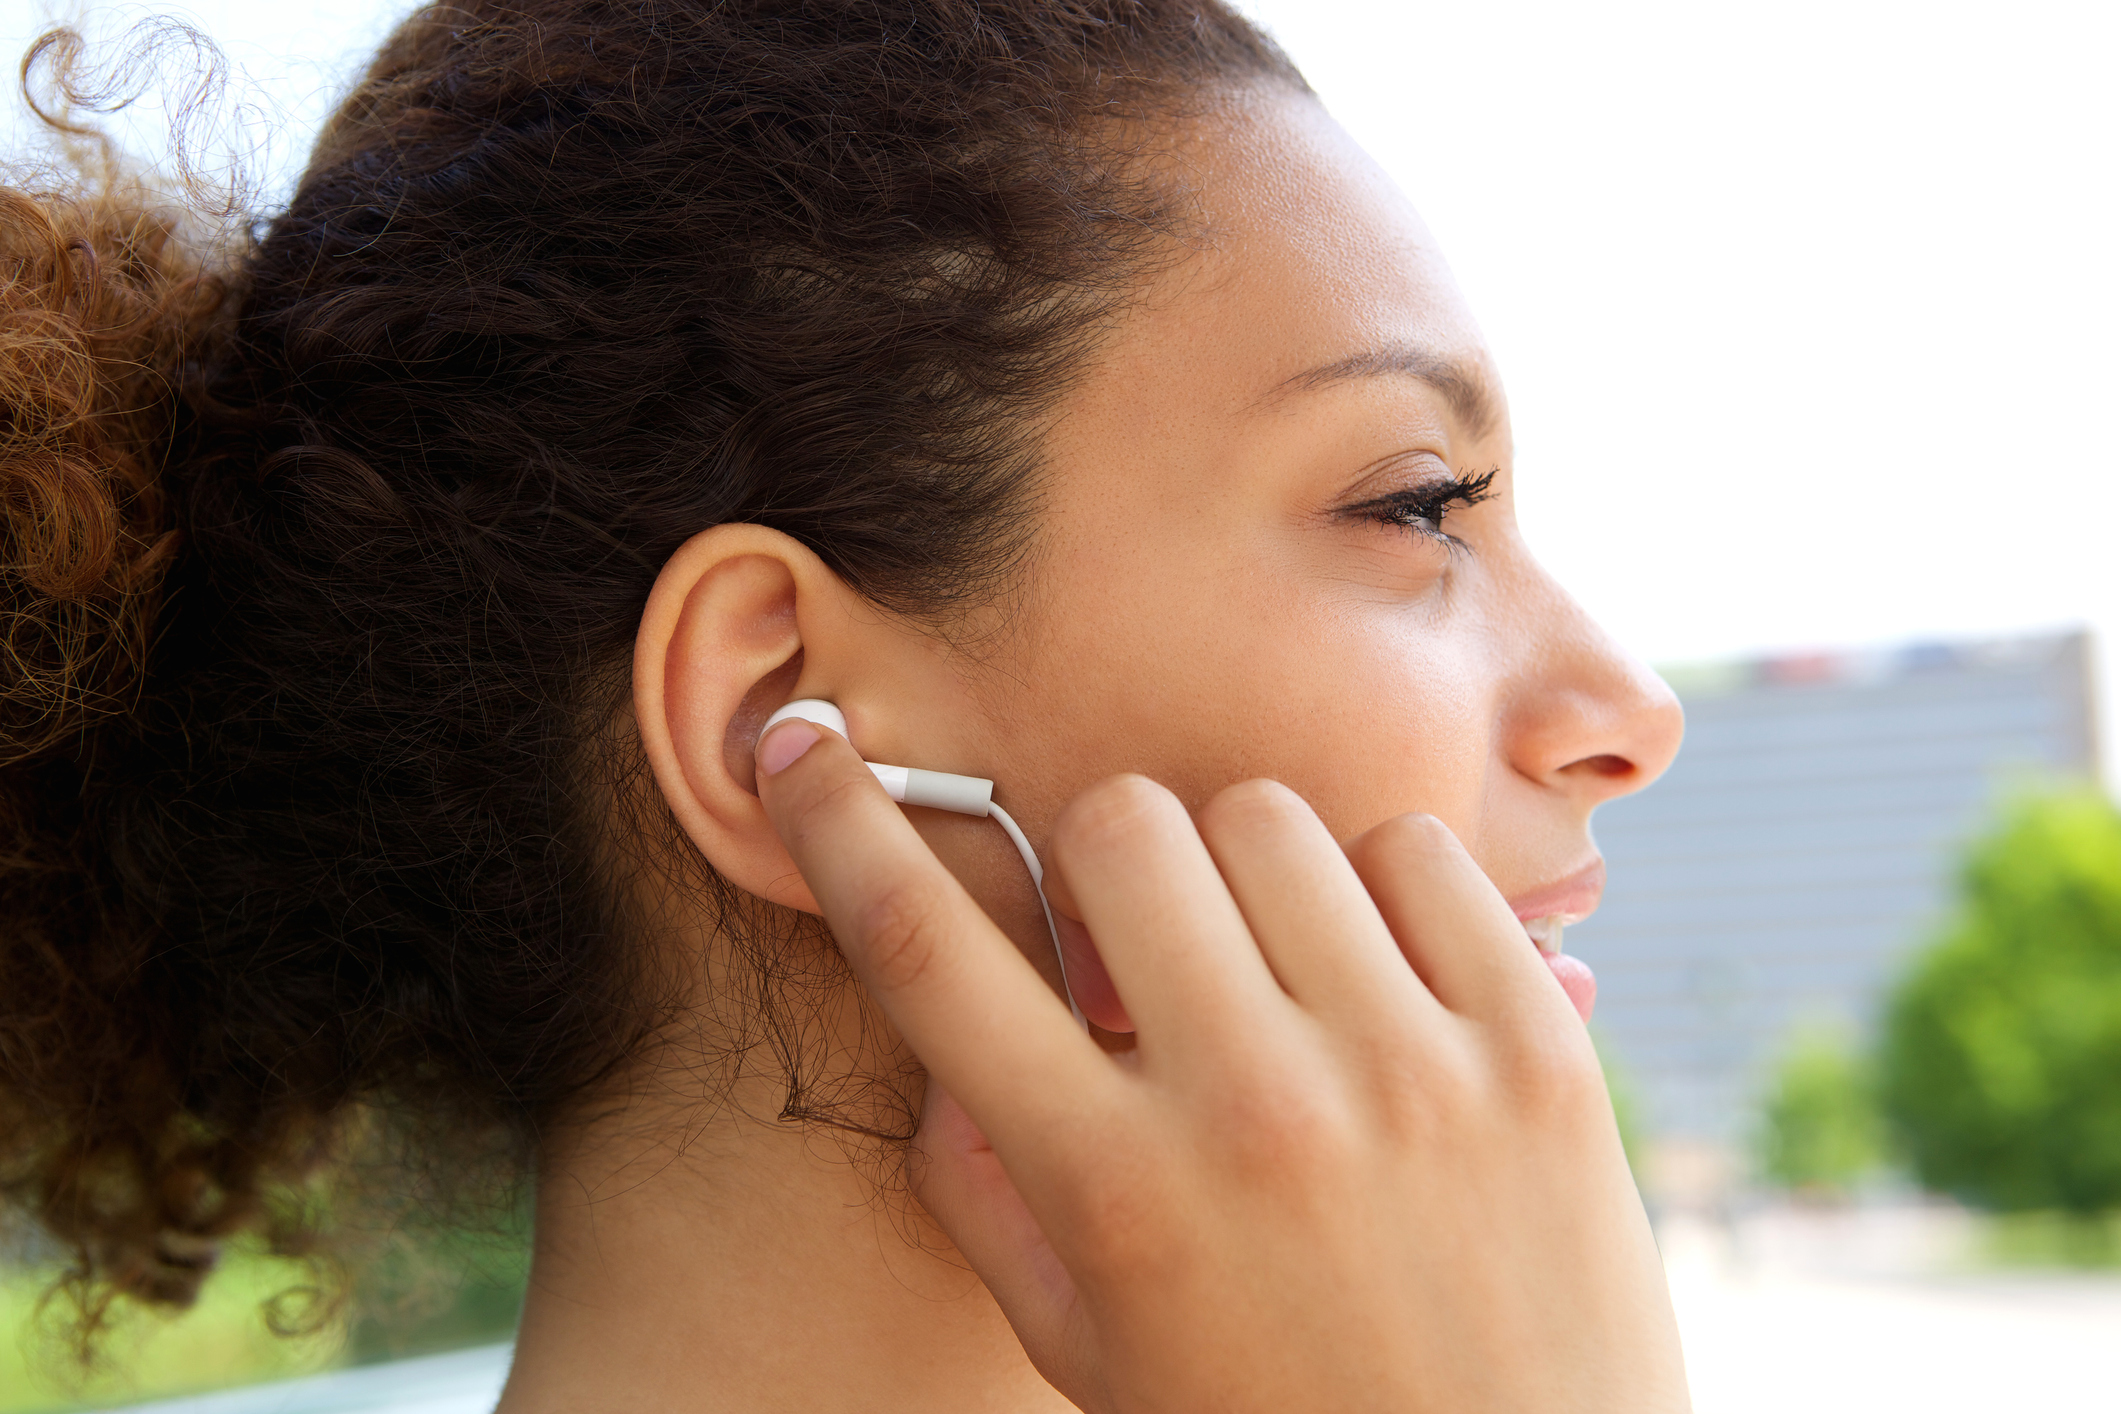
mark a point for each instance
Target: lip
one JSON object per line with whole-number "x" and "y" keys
{"x": 1572, "y": 899}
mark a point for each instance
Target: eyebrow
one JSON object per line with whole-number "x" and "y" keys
{"x": 1463, "y": 383}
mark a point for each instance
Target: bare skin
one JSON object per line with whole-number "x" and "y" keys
{"x": 1241, "y": 577}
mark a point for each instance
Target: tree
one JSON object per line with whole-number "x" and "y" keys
{"x": 2001, "y": 1062}
{"x": 1819, "y": 1129}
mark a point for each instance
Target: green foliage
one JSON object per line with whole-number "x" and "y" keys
{"x": 2001, "y": 1063}
{"x": 443, "y": 1291}
{"x": 422, "y": 1291}
{"x": 1820, "y": 1131}
{"x": 227, "y": 1338}
{"x": 2069, "y": 1240}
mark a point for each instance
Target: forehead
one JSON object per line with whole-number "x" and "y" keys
{"x": 1312, "y": 264}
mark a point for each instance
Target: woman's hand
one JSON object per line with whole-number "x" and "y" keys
{"x": 1362, "y": 1157}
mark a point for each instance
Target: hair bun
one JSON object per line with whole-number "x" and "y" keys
{"x": 99, "y": 308}
{"x": 102, "y": 310}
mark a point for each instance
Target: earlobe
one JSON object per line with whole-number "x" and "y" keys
{"x": 721, "y": 645}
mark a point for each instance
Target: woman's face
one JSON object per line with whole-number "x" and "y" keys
{"x": 1251, "y": 563}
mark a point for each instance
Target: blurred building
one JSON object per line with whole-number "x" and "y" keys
{"x": 1801, "y": 846}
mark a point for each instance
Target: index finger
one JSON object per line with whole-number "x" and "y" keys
{"x": 975, "y": 1011}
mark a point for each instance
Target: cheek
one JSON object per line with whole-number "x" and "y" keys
{"x": 1367, "y": 711}
{"x": 1382, "y": 719}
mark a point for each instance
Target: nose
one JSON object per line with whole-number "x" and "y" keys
{"x": 1587, "y": 718}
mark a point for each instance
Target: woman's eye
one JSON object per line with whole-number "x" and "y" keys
{"x": 1422, "y": 508}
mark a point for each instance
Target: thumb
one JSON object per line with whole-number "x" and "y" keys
{"x": 956, "y": 1175}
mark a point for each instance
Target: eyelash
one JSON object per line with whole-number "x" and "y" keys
{"x": 1422, "y": 509}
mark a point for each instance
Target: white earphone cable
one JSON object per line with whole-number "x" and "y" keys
{"x": 941, "y": 790}
{"x": 1038, "y": 886}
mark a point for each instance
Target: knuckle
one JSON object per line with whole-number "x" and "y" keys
{"x": 1553, "y": 1075}
{"x": 899, "y": 933}
{"x": 1127, "y": 1219}
{"x": 1423, "y": 1094}
{"x": 1284, "y": 1131}
{"x": 1395, "y": 1065}
{"x": 1119, "y": 1215}
{"x": 1431, "y": 1096}
{"x": 1432, "y": 1079}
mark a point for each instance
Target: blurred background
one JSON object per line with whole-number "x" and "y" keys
{"x": 1807, "y": 315}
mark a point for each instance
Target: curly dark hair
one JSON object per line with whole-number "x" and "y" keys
{"x": 324, "y": 561}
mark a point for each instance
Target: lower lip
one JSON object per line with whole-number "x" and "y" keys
{"x": 1575, "y": 979}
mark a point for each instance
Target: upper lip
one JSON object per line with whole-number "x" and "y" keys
{"x": 1572, "y": 899}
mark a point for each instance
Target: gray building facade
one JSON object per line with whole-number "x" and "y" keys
{"x": 1802, "y": 846}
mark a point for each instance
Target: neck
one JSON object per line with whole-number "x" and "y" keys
{"x": 737, "y": 1264}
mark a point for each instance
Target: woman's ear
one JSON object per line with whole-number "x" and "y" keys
{"x": 721, "y": 646}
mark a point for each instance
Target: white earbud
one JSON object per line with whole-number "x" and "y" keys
{"x": 940, "y": 790}
{"x": 967, "y": 795}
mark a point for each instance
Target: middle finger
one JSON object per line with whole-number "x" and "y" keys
{"x": 1309, "y": 913}
{"x": 1181, "y": 958}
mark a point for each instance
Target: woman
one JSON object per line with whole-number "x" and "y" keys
{"x": 1052, "y": 386}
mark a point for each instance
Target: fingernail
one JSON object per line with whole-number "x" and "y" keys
{"x": 784, "y": 744}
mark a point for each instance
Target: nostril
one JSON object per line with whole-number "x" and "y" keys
{"x": 1605, "y": 767}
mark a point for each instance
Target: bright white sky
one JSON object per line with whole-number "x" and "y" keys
{"x": 1810, "y": 313}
